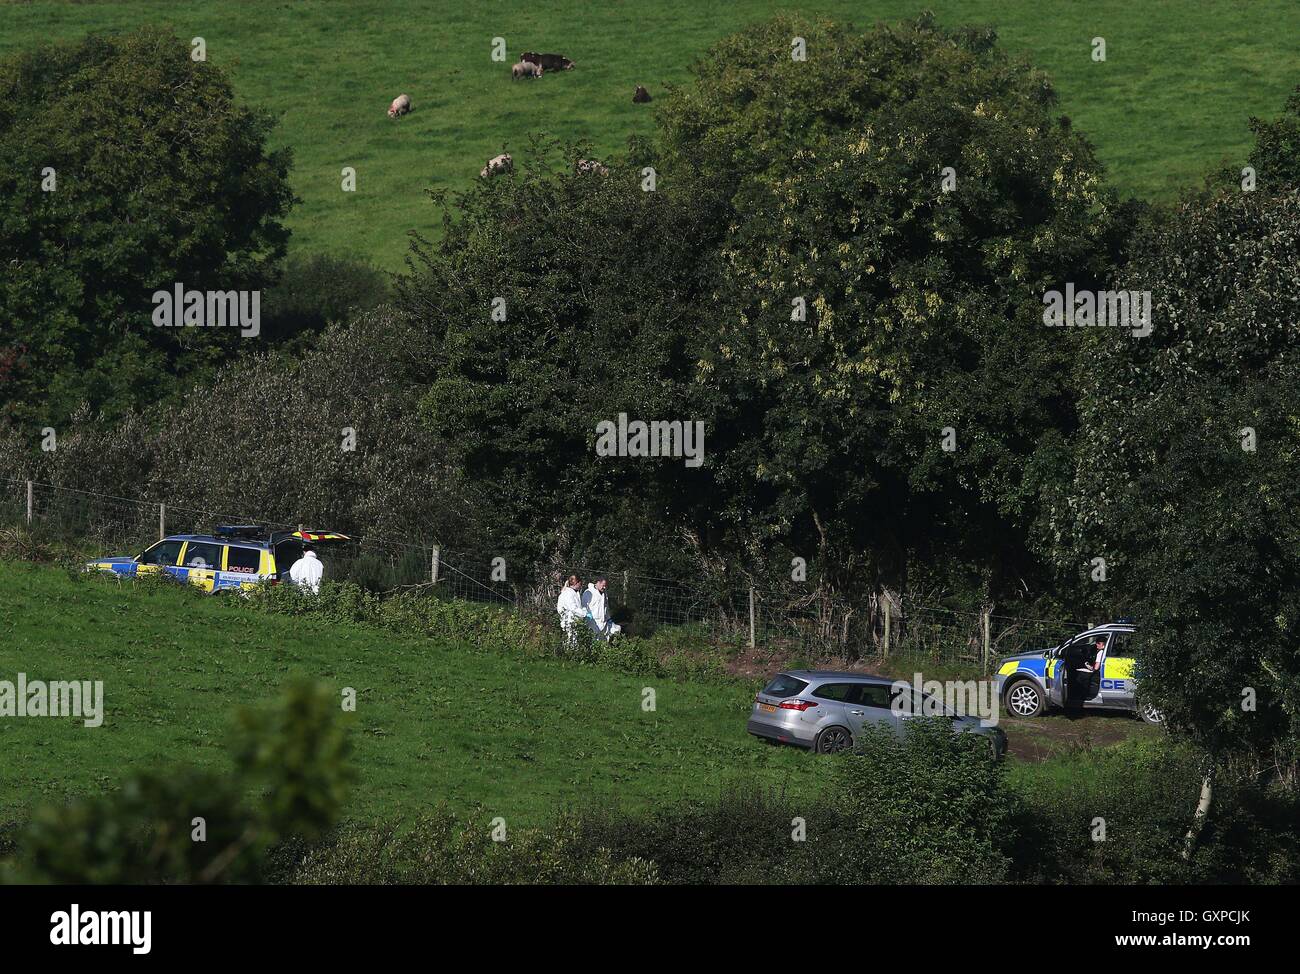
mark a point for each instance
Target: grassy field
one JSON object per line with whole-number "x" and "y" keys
{"x": 496, "y": 734}
{"x": 1171, "y": 100}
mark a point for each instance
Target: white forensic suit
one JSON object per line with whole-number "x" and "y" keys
{"x": 593, "y": 601}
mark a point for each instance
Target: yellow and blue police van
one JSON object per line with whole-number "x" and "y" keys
{"x": 1092, "y": 670}
{"x": 233, "y": 557}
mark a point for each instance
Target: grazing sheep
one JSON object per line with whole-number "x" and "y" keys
{"x": 592, "y": 166}
{"x": 551, "y": 62}
{"x": 525, "y": 69}
{"x": 400, "y": 106}
{"x": 501, "y": 163}
{"x": 640, "y": 96}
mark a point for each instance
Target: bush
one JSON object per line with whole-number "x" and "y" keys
{"x": 440, "y": 849}
{"x": 1145, "y": 792}
{"x": 293, "y": 756}
{"x": 928, "y": 807}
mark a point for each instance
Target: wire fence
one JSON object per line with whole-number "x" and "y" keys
{"x": 789, "y": 625}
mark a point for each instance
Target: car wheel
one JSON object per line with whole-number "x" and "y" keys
{"x": 1152, "y": 715}
{"x": 833, "y": 740}
{"x": 1024, "y": 699}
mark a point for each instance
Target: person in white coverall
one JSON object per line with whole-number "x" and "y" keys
{"x": 307, "y": 571}
{"x": 569, "y": 607}
{"x": 593, "y": 601}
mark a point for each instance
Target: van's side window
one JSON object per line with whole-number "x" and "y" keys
{"x": 203, "y": 554}
{"x": 244, "y": 560}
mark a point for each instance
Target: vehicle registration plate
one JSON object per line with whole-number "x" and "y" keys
{"x": 767, "y": 708}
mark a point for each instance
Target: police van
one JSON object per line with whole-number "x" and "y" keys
{"x": 1093, "y": 670}
{"x": 234, "y": 556}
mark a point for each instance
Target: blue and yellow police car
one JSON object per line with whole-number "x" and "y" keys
{"x": 1094, "y": 669}
{"x": 234, "y": 556}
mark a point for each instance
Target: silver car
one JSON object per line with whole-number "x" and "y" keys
{"x": 824, "y": 709}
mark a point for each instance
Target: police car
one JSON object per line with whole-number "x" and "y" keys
{"x": 234, "y": 556}
{"x": 1093, "y": 670}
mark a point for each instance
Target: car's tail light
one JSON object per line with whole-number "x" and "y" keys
{"x": 799, "y": 705}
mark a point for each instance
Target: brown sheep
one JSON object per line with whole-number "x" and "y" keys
{"x": 640, "y": 96}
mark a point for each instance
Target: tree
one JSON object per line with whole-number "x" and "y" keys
{"x": 1188, "y": 476}
{"x": 554, "y": 301}
{"x": 777, "y": 180}
{"x": 129, "y": 168}
{"x": 897, "y": 205}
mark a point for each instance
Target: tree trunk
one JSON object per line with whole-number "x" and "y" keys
{"x": 1202, "y": 810}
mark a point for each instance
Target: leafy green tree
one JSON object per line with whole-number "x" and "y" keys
{"x": 129, "y": 168}
{"x": 779, "y": 179}
{"x": 898, "y": 204}
{"x": 1188, "y": 476}
{"x": 554, "y": 301}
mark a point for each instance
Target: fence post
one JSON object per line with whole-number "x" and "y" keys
{"x": 751, "y": 617}
{"x": 985, "y": 618}
{"x": 162, "y": 521}
{"x": 433, "y": 566}
{"x": 29, "y": 503}
{"x": 889, "y": 612}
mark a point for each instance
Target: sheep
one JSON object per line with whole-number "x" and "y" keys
{"x": 497, "y": 164}
{"x": 640, "y": 96}
{"x": 400, "y": 106}
{"x": 525, "y": 69}
{"x": 592, "y": 166}
{"x": 551, "y": 62}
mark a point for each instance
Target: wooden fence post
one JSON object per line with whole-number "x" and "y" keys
{"x": 751, "y": 617}
{"x": 162, "y": 521}
{"x": 889, "y": 612}
{"x": 434, "y": 564}
{"x": 986, "y": 619}
{"x": 29, "y": 503}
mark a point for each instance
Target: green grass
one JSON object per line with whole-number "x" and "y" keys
{"x": 1170, "y": 102}
{"x": 490, "y": 734}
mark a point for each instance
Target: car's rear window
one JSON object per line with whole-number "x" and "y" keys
{"x": 784, "y": 686}
{"x": 243, "y": 560}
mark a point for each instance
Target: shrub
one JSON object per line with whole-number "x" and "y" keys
{"x": 1143, "y": 792}
{"x": 927, "y": 807}
{"x": 441, "y": 849}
